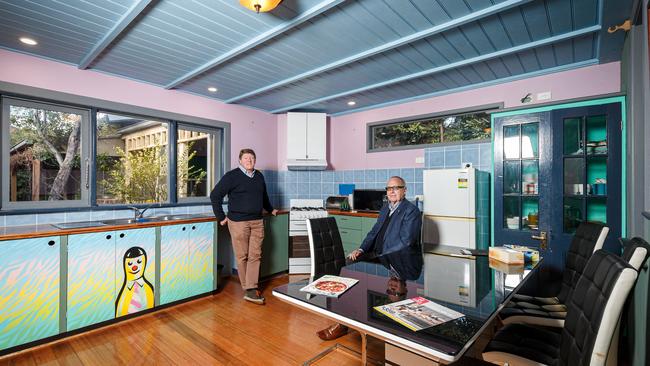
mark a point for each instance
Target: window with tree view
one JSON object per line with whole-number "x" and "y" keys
{"x": 448, "y": 128}
{"x": 194, "y": 162}
{"x": 132, "y": 160}
{"x": 42, "y": 154}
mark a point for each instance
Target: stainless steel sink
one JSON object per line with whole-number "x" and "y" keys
{"x": 78, "y": 225}
{"x": 127, "y": 221}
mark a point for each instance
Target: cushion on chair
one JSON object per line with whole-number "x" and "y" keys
{"x": 594, "y": 310}
{"x": 326, "y": 248}
{"x": 635, "y": 251}
{"x": 539, "y": 345}
{"x": 592, "y": 314}
{"x": 588, "y": 238}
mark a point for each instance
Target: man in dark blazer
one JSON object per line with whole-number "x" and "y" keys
{"x": 395, "y": 238}
{"x": 394, "y": 241}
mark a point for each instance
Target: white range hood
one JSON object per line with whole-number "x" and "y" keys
{"x": 306, "y": 141}
{"x": 306, "y": 164}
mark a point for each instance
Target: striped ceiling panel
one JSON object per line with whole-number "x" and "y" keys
{"x": 317, "y": 55}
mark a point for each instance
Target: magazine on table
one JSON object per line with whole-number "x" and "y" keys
{"x": 418, "y": 313}
{"x": 330, "y": 286}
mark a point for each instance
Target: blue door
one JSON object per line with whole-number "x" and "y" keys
{"x": 587, "y": 171}
{"x": 555, "y": 167}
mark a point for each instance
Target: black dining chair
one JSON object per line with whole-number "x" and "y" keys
{"x": 593, "y": 314}
{"x": 551, "y": 311}
{"x": 325, "y": 247}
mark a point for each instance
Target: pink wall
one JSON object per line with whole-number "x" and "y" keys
{"x": 249, "y": 127}
{"x": 347, "y": 141}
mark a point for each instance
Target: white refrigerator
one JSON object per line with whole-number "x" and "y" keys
{"x": 456, "y": 210}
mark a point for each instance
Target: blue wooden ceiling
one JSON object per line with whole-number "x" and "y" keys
{"x": 317, "y": 55}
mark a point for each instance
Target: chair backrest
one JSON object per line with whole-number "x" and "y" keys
{"x": 588, "y": 238}
{"x": 635, "y": 251}
{"x": 594, "y": 310}
{"x": 325, "y": 247}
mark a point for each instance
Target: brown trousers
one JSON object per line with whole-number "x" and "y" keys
{"x": 247, "y": 237}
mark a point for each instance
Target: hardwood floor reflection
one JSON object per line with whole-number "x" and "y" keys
{"x": 221, "y": 329}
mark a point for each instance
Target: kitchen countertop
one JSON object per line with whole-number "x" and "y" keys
{"x": 373, "y": 215}
{"x": 45, "y": 230}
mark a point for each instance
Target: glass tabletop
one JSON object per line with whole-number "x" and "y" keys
{"x": 473, "y": 286}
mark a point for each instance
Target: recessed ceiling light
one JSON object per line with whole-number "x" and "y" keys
{"x": 212, "y": 89}
{"x": 28, "y": 41}
{"x": 351, "y": 103}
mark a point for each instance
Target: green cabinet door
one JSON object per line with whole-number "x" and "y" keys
{"x": 135, "y": 270}
{"x": 91, "y": 279}
{"x": 29, "y": 290}
{"x": 201, "y": 278}
{"x": 174, "y": 262}
{"x": 366, "y": 225}
{"x": 275, "y": 248}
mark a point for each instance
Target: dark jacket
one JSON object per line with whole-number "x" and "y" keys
{"x": 401, "y": 248}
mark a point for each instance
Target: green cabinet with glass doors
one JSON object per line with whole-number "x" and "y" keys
{"x": 353, "y": 229}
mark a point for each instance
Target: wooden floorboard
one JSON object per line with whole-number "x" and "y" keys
{"x": 221, "y": 329}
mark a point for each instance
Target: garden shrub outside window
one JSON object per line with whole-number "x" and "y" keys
{"x": 132, "y": 166}
{"x": 432, "y": 130}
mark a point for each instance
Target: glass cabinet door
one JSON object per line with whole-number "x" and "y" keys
{"x": 520, "y": 178}
{"x": 587, "y": 169}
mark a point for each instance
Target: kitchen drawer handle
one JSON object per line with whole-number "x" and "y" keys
{"x": 343, "y": 232}
{"x": 50, "y": 243}
{"x": 122, "y": 235}
{"x": 108, "y": 237}
{"x": 193, "y": 227}
{"x": 183, "y": 228}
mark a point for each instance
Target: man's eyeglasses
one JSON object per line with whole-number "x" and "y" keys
{"x": 394, "y": 188}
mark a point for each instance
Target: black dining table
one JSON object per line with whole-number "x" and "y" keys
{"x": 476, "y": 287}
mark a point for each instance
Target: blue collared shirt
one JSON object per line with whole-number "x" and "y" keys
{"x": 249, "y": 175}
{"x": 392, "y": 207}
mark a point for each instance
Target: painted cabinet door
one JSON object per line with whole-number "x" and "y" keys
{"x": 275, "y": 248}
{"x": 135, "y": 270}
{"x": 91, "y": 279}
{"x": 174, "y": 262}
{"x": 201, "y": 278}
{"x": 29, "y": 290}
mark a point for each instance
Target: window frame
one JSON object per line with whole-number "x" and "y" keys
{"x": 57, "y": 98}
{"x": 487, "y": 108}
{"x": 168, "y": 152}
{"x": 215, "y": 138}
{"x": 84, "y": 155}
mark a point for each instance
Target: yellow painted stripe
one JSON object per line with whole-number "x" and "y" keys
{"x": 458, "y": 218}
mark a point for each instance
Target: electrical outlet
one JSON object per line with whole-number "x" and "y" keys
{"x": 419, "y": 160}
{"x": 544, "y": 96}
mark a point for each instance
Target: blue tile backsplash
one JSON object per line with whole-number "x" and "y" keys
{"x": 286, "y": 185}
{"x": 283, "y": 185}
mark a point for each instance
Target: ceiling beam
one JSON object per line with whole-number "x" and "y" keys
{"x": 482, "y": 84}
{"x": 257, "y": 40}
{"x": 471, "y": 17}
{"x": 453, "y": 65}
{"x": 121, "y": 24}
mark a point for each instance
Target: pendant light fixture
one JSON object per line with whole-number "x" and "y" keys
{"x": 260, "y": 5}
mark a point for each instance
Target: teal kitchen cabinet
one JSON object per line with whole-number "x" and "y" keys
{"x": 91, "y": 279}
{"x": 275, "y": 248}
{"x": 135, "y": 270}
{"x": 186, "y": 261}
{"x": 201, "y": 258}
{"x": 29, "y": 290}
{"x": 100, "y": 277}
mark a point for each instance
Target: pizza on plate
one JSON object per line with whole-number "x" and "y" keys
{"x": 331, "y": 286}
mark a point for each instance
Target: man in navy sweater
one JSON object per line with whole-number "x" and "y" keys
{"x": 247, "y": 197}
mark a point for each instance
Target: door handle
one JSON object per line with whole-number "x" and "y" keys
{"x": 542, "y": 237}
